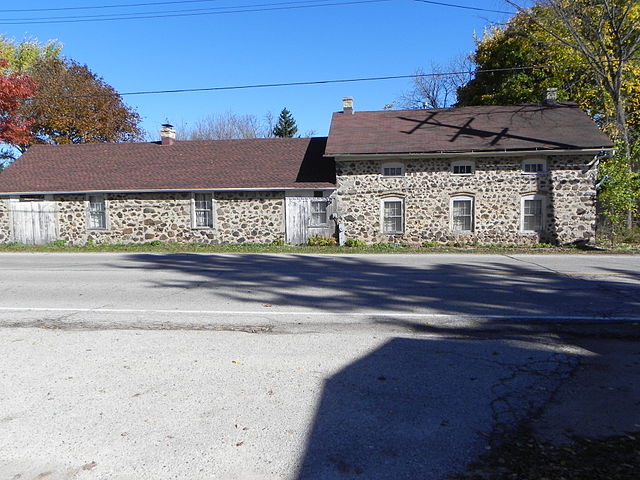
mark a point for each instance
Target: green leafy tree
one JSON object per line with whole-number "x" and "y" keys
{"x": 605, "y": 36}
{"x": 577, "y": 46}
{"x": 619, "y": 190}
{"x": 21, "y": 56}
{"x": 502, "y": 58}
{"x": 286, "y": 125}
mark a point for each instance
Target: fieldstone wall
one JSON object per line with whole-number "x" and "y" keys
{"x": 252, "y": 217}
{"x": 497, "y": 188}
{"x": 5, "y": 229}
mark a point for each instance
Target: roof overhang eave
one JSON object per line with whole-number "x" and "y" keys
{"x": 605, "y": 150}
{"x": 163, "y": 190}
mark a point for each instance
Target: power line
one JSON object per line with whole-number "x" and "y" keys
{"x": 183, "y": 2}
{"x": 454, "y": 5}
{"x": 96, "y": 7}
{"x": 137, "y": 16}
{"x": 192, "y": 12}
{"x": 126, "y": 16}
{"x": 330, "y": 81}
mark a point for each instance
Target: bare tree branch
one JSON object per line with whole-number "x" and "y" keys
{"x": 224, "y": 126}
{"x": 438, "y": 88}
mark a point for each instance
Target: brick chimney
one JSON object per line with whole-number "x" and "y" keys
{"x": 550, "y": 96}
{"x": 347, "y": 105}
{"x": 167, "y": 134}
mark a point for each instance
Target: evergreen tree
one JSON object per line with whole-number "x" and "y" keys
{"x": 286, "y": 126}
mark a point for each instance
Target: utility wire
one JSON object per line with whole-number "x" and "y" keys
{"x": 183, "y": 2}
{"x": 192, "y": 12}
{"x": 127, "y": 16}
{"x": 136, "y": 16}
{"x": 454, "y": 5}
{"x": 96, "y": 7}
{"x": 326, "y": 82}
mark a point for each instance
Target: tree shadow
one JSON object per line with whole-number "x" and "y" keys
{"x": 347, "y": 284}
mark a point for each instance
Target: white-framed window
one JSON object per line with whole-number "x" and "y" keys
{"x": 97, "y": 213}
{"x": 462, "y": 208}
{"x": 392, "y": 169}
{"x": 532, "y": 213}
{"x": 202, "y": 210}
{"x": 319, "y": 212}
{"x": 463, "y": 167}
{"x": 534, "y": 165}
{"x": 392, "y": 215}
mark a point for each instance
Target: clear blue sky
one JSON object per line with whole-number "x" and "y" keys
{"x": 393, "y": 37}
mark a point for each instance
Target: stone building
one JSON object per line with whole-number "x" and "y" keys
{"x": 227, "y": 191}
{"x": 514, "y": 174}
{"x": 489, "y": 174}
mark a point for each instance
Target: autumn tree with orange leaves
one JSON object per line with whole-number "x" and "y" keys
{"x": 15, "y": 89}
{"x": 74, "y": 105}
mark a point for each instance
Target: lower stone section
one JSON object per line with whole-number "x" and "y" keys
{"x": 497, "y": 188}
{"x": 5, "y": 229}
{"x": 240, "y": 217}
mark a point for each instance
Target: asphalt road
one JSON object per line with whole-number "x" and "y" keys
{"x": 295, "y": 367}
{"x": 191, "y": 290}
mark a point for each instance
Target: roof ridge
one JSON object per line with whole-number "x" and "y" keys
{"x": 442, "y": 109}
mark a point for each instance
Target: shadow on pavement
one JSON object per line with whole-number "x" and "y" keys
{"x": 345, "y": 284}
{"x": 415, "y": 408}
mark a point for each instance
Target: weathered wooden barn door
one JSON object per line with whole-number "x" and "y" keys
{"x": 33, "y": 223}
{"x": 308, "y": 216}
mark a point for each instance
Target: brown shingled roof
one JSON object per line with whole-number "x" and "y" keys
{"x": 268, "y": 163}
{"x": 464, "y": 129}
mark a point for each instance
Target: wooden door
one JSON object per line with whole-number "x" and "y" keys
{"x": 308, "y": 216}
{"x": 33, "y": 223}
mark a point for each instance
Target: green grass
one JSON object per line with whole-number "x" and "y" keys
{"x": 157, "y": 247}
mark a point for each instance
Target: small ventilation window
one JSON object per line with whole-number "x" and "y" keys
{"x": 394, "y": 169}
{"x": 533, "y": 166}
{"x": 463, "y": 167}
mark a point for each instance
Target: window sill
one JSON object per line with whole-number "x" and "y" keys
{"x": 463, "y": 174}
{"x": 203, "y": 228}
